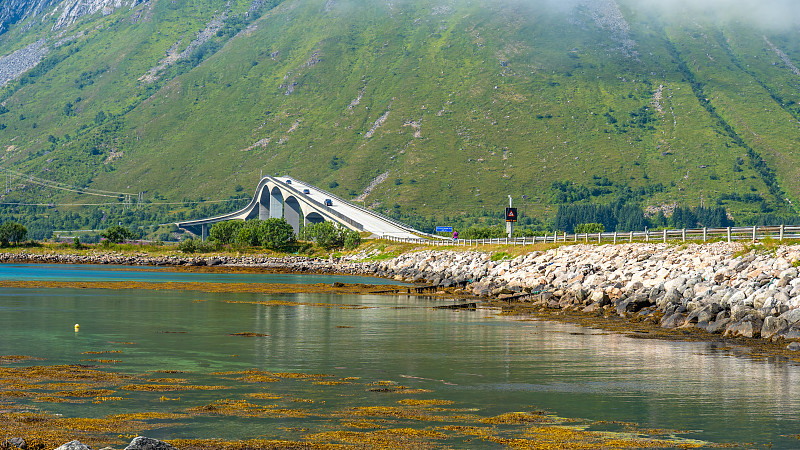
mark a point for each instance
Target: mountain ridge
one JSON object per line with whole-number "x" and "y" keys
{"x": 462, "y": 103}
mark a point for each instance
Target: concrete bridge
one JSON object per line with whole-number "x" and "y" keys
{"x": 301, "y": 203}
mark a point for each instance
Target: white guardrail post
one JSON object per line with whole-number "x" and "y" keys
{"x": 783, "y": 232}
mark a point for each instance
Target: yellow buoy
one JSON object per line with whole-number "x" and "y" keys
{"x": 77, "y": 327}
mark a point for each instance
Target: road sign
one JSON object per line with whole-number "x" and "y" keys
{"x": 511, "y": 214}
{"x": 443, "y": 229}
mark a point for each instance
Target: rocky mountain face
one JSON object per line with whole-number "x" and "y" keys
{"x": 72, "y": 10}
{"x": 13, "y": 11}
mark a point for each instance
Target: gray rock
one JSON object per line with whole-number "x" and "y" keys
{"x": 672, "y": 296}
{"x": 793, "y": 332}
{"x": 74, "y": 445}
{"x": 146, "y": 443}
{"x": 654, "y": 293}
{"x": 739, "y": 311}
{"x": 792, "y": 316}
{"x": 600, "y": 296}
{"x": 718, "y": 326}
{"x": 594, "y": 307}
{"x": 702, "y": 314}
{"x": 794, "y": 346}
{"x": 673, "y": 321}
{"x": 772, "y": 326}
{"x": 14, "y": 442}
{"x": 670, "y": 309}
{"x": 744, "y": 328}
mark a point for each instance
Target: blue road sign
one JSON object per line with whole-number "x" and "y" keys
{"x": 444, "y": 229}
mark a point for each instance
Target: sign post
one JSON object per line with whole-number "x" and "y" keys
{"x": 511, "y": 217}
{"x": 443, "y": 229}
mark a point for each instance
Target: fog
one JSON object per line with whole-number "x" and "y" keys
{"x": 771, "y": 14}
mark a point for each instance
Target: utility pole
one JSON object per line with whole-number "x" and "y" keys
{"x": 509, "y": 223}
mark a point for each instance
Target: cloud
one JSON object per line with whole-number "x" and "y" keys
{"x": 770, "y": 14}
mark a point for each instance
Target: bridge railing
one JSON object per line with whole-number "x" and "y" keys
{"x": 729, "y": 234}
{"x": 318, "y": 204}
{"x": 365, "y": 210}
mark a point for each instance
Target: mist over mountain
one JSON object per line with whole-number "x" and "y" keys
{"x": 413, "y": 107}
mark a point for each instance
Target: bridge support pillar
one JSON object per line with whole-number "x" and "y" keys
{"x": 263, "y": 212}
{"x": 275, "y": 204}
{"x": 293, "y": 214}
{"x": 203, "y": 232}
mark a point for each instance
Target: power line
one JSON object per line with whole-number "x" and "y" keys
{"x": 62, "y": 186}
{"x": 117, "y": 203}
{"x": 127, "y": 197}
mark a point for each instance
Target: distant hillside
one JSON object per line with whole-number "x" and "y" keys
{"x": 439, "y": 107}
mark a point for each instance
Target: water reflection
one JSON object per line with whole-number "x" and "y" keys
{"x": 477, "y": 359}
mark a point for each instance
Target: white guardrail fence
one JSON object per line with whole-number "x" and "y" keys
{"x": 753, "y": 234}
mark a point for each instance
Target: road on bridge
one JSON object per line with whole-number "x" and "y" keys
{"x": 371, "y": 221}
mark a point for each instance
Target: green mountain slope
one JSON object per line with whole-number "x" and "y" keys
{"x": 455, "y": 105}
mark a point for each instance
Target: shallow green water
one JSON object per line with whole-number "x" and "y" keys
{"x": 482, "y": 362}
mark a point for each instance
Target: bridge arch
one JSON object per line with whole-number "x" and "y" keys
{"x": 314, "y": 217}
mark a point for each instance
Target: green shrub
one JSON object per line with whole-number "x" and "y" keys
{"x": 187, "y": 246}
{"x": 226, "y": 232}
{"x": 330, "y": 236}
{"x": 117, "y": 233}
{"x": 276, "y": 234}
{"x": 12, "y": 232}
{"x": 590, "y": 228}
{"x": 351, "y": 240}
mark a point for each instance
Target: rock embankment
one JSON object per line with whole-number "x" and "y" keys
{"x": 296, "y": 263}
{"x": 716, "y": 287}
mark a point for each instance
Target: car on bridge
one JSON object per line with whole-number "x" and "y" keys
{"x": 328, "y": 202}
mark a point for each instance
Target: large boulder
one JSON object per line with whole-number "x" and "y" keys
{"x": 146, "y": 443}
{"x": 792, "y": 316}
{"x": 74, "y": 445}
{"x": 672, "y": 296}
{"x": 790, "y": 333}
{"x": 748, "y": 327}
{"x": 674, "y": 320}
{"x": 600, "y": 296}
{"x": 718, "y": 326}
{"x": 772, "y": 326}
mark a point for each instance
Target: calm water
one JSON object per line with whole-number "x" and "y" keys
{"x": 477, "y": 359}
{"x": 91, "y": 272}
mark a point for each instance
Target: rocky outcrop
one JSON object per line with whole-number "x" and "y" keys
{"x": 72, "y": 10}
{"x": 138, "y": 443}
{"x": 22, "y": 60}
{"x": 74, "y": 445}
{"x": 146, "y": 443}
{"x": 13, "y": 11}
{"x": 14, "y": 442}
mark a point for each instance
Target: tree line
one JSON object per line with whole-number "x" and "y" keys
{"x": 621, "y": 217}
